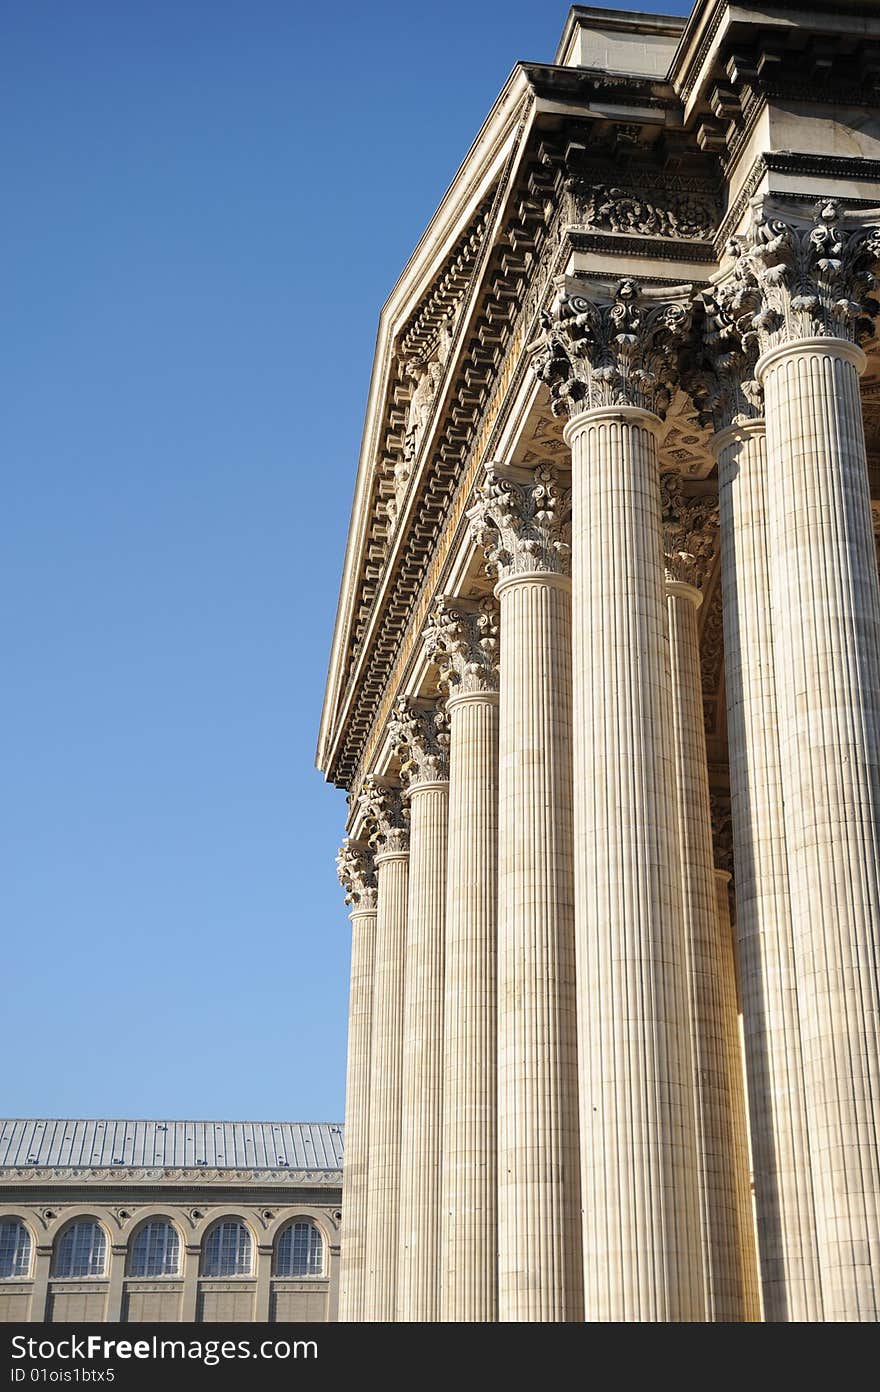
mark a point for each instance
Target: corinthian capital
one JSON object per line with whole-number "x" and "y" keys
{"x": 620, "y": 348}
{"x": 793, "y": 279}
{"x": 357, "y": 874}
{"x": 461, "y": 638}
{"x": 419, "y": 731}
{"x": 690, "y": 532}
{"x": 522, "y": 520}
{"x": 386, "y": 815}
{"x": 722, "y": 383}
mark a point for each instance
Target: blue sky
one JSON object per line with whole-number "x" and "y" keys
{"x": 205, "y": 205}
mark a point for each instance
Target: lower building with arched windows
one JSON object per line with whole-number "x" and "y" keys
{"x": 179, "y": 1221}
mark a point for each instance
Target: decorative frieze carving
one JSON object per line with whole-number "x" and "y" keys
{"x": 419, "y": 732}
{"x": 386, "y": 815}
{"x": 357, "y": 874}
{"x": 621, "y": 350}
{"x": 522, "y": 520}
{"x": 461, "y": 639}
{"x": 630, "y": 212}
{"x": 793, "y": 280}
{"x": 690, "y": 532}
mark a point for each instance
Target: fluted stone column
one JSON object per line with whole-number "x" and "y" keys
{"x": 357, "y": 875}
{"x": 608, "y": 364}
{"x": 771, "y": 1025}
{"x": 462, "y": 639}
{"x": 521, "y": 520}
{"x": 741, "y": 1150}
{"x": 419, "y": 732}
{"x": 690, "y": 544}
{"x": 809, "y": 286}
{"x": 383, "y": 807}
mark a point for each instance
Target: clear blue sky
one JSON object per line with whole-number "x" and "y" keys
{"x": 206, "y": 203}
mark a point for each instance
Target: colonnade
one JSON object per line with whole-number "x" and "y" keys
{"x": 546, "y": 1112}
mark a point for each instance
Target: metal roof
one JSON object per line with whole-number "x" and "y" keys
{"x": 269, "y": 1145}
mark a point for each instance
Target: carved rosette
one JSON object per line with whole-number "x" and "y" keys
{"x": 522, "y": 521}
{"x": 690, "y": 533}
{"x": 461, "y": 639}
{"x": 620, "y": 351}
{"x": 792, "y": 280}
{"x": 357, "y": 874}
{"x": 386, "y": 815}
{"x": 419, "y": 732}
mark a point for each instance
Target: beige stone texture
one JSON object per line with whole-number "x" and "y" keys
{"x": 386, "y": 1074}
{"x": 469, "y": 1200}
{"x": 740, "y": 1153}
{"x": 768, "y": 988}
{"x": 826, "y": 608}
{"x": 539, "y": 1260}
{"x": 352, "y": 1274}
{"x": 721, "y": 1242}
{"x": 640, "y": 1165}
{"x": 418, "y": 1283}
{"x": 462, "y": 640}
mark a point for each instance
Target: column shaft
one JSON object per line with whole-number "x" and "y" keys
{"x": 723, "y": 1274}
{"x": 641, "y": 1206}
{"x": 469, "y": 1205}
{"x": 418, "y": 1287}
{"x": 771, "y": 1030}
{"x": 385, "y": 1088}
{"x": 352, "y": 1291}
{"x": 741, "y": 1159}
{"x": 539, "y": 1270}
{"x": 826, "y": 604}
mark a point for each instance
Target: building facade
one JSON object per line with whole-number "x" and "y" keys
{"x": 605, "y": 693}
{"x": 169, "y": 1221}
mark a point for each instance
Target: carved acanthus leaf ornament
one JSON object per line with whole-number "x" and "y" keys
{"x": 357, "y": 874}
{"x": 522, "y": 521}
{"x": 722, "y": 382}
{"x": 792, "y": 281}
{"x": 690, "y": 532}
{"x": 621, "y": 351}
{"x": 461, "y": 639}
{"x": 386, "y": 815}
{"x": 419, "y": 732}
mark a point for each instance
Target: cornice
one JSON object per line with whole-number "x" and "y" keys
{"x": 35, "y": 1175}
{"x": 478, "y": 174}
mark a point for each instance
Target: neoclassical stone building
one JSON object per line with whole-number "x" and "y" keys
{"x": 605, "y": 693}
{"x": 184, "y": 1221}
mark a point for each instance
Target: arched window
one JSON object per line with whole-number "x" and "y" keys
{"x": 81, "y": 1250}
{"x": 15, "y": 1249}
{"x": 300, "y": 1250}
{"x": 155, "y": 1250}
{"x": 227, "y": 1250}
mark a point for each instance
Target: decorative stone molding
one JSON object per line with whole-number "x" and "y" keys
{"x": 357, "y": 874}
{"x": 386, "y": 815}
{"x": 419, "y": 731}
{"x": 522, "y": 520}
{"x": 690, "y": 533}
{"x": 621, "y": 350}
{"x": 630, "y": 212}
{"x": 120, "y": 1174}
{"x": 462, "y": 641}
{"x": 794, "y": 279}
